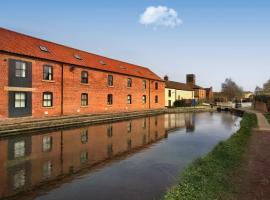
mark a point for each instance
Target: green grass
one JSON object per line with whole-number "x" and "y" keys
{"x": 267, "y": 117}
{"x": 211, "y": 177}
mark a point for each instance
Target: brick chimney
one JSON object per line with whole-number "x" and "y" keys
{"x": 191, "y": 79}
{"x": 166, "y": 78}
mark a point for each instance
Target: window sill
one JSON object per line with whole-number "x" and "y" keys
{"x": 52, "y": 107}
{"x": 48, "y": 81}
{"x": 109, "y": 105}
{"x": 110, "y": 86}
{"x": 86, "y": 84}
{"x": 84, "y": 106}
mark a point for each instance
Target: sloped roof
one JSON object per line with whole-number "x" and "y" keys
{"x": 13, "y": 42}
{"x": 197, "y": 87}
{"x": 178, "y": 86}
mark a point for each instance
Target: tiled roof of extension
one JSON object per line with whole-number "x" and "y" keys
{"x": 178, "y": 86}
{"x": 18, "y": 43}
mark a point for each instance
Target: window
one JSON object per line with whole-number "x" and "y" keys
{"x": 129, "y": 127}
{"x": 156, "y": 135}
{"x": 20, "y": 100}
{"x": 47, "y": 170}
{"x": 78, "y": 57}
{"x": 84, "y": 99}
{"x": 129, "y": 101}
{"x": 47, "y": 143}
{"x": 110, "y": 150}
{"x": 129, "y": 144}
{"x": 156, "y": 121}
{"x": 169, "y": 93}
{"x": 110, "y": 130}
{"x": 169, "y": 103}
{"x": 129, "y": 83}
{"x": 84, "y": 77}
{"x": 156, "y": 99}
{"x": 110, "y": 99}
{"x": 47, "y": 99}
{"x": 84, "y": 157}
{"x": 156, "y": 85}
{"x": 19, "y": 179}
{"x": 20, "y": 69}
{"x": 144, "y": 84}
{"x": 144, "y": 139}
{"x": 19, "y": 149}
{"x": 47, "y": 72}
{"x": 43, "y": 48}
{"x": 110, "y": 80}
{"x": 144, "y": 123}
{"x": 144, "y": 99}
{"x": 84, "y": 136}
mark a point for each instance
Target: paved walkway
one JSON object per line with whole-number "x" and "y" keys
{"x": 263, "y": 124}
{"x": 255, "y": 182}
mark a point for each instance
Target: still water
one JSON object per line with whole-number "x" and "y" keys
{"x": 135, "y": 159}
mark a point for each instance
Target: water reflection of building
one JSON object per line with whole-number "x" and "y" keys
{"x": 180, "y": 120}
{"x": 28, "y": 161}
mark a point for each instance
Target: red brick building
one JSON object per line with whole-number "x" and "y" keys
{"x": 41, "y": 78}
{"x": 200, "y": 93}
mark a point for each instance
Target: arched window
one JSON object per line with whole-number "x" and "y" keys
{"x": 129, "y": 100}
{"x": 84, "y": 99}
{"x": 84, "y": 77}
{"x": 144, "y": 99}
{"x": 156, "y": 99}
{"x": 47, "y": 99}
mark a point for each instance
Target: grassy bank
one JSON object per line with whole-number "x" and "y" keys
{"x": 210, "y": 177}
{"x": 267, "y": 117}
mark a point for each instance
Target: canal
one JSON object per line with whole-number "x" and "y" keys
{"x": 136, "y": 159}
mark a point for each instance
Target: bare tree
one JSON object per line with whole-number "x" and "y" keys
{"x": 231, "y": 90}
{"x": 258, "y": 90}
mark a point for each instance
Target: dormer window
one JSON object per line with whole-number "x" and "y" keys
{"x": 78, "y": 57}
{"x": 43, "y": 48}
{"x": 102, "y": 62}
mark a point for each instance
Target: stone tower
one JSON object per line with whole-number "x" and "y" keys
{"x": 191, "y": 79}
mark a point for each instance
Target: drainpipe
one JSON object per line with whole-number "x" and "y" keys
{"x": 149, "y": 95}
{"x": 62, "y": 89}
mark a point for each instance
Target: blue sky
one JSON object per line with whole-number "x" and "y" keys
{"x": 217, "y": 39}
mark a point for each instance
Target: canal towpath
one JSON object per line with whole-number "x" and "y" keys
{"x": 255, "y": 179}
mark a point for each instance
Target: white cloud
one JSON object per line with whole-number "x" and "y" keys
{"x": 160, "y": 16}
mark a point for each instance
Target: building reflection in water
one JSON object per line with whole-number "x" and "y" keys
{"x": 177, "y": 121}
{"x": 28, "y": 161}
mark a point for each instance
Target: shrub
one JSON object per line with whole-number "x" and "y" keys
{"x": 182, "y": 103}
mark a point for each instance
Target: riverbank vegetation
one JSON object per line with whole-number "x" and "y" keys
{"x": 210, "y": 177}
{"x": 267, "y": 117}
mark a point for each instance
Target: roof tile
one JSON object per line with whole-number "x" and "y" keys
{"x": 18, "y": 43}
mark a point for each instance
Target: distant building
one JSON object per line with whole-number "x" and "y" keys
{"x": 200, "y": 93}
{"x": 248, "y": 95}
{"x": 176, "y": 91}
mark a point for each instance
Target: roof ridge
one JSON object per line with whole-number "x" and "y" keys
{"x": 66, "y": 46}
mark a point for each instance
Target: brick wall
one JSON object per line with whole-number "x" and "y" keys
{"x": 3, "y": 83}
{"x": 261, "y": 106}
{"x": 200, "y": 93}
{"x": 97, "y": 90}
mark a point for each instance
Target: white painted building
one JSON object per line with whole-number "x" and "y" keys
{"x": 176, "y": 91}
